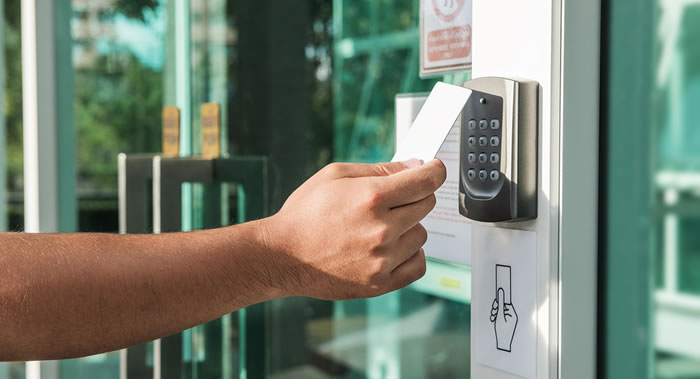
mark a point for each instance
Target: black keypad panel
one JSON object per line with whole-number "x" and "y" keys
{"x": 482, "y": 144}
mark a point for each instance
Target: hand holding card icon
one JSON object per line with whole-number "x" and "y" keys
{"x": 503, "y": 315}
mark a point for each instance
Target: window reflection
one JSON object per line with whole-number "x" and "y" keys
{"x": 677, "y": 180}
{"x": 118, "y": 85}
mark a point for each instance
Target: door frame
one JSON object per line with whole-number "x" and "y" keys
{"x": 556, "y": 43}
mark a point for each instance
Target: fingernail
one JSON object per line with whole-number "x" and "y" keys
{"x": 411, "y": 163}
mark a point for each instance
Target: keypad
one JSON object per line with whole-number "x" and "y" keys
{"x": 481, "y": 142}
{"x": 485, "y": 154}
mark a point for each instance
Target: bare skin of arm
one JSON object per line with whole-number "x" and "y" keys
{"x": 351, "y": 231}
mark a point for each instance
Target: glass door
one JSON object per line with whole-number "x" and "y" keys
{"x": 650, "y": 282}
{"x": 304, "y": 84}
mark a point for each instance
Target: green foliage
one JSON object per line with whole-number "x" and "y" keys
{"x": 136, "y": 9}
{"x": 117, "y": 105}
{"x": 320, "y": 82}
{"x": 13, "y": 94}
{"x": 116, "y": 110}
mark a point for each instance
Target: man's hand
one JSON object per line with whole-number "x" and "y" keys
{"x": 350, "y": 231}
{"x": 353, "y": 230}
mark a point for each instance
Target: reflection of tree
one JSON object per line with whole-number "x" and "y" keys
{"x": 320, "y": 47}
{"x": 135, "y": 9}
{"x": 117, "y": 109}
{"x": 13, "y": 93}
{"x": 117, "y": 104}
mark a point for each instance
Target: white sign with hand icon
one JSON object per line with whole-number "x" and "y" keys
{"x": 504, "y": 301}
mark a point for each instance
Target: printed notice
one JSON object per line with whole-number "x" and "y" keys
{"x": 446, "y": 36}
{"x": 449, "y": 234}
{"x": 504, "y": 301}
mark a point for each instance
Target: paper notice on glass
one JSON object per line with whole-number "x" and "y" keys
{"x": 445, "y": 36}
{"x": 449, "y": 234}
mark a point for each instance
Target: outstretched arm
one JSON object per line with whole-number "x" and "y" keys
{"x": 350, "y": 231}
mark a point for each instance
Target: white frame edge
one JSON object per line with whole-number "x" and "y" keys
{"x": 578, "y": 212}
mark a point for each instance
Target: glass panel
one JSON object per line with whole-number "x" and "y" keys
{"x": 374, "y": 60}
{"x": 677, "y": 174}
{"x": 118, "y": 82}
{"x": 304, "y": 84}
{"x": 689, "y": 260}
{"x": 118, "y": 60}
{"x": 652, "y": 157}
{"x": 12, "y": 370}
{"x": 407, "y": 332}
{"x": 97, "y": 366}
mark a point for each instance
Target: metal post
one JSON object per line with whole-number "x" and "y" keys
{"x": 183, "y": 95}
{"x": 135, "y": 176}
{"x": 49, "y": 153}
{"x": 251, "y": 174}
{"x": 169, "y": 175}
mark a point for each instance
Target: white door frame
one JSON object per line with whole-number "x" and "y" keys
{"x": 557, "y": 44}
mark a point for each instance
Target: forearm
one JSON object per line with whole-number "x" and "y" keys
{"x": 350, "y": 231}
{"x": 74, "y": 295}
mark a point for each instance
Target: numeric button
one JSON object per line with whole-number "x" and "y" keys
{"x": 472, "y": 141}
{"x": 472, "y": 124}
{"x": 483, "y": 141}
{"x": 483, "y": 175}
{"x": 471, "y": 174}
{"x": 483, "y": 158}
{"x": 495, "y": 141}
{"x": 495, "y": 158}
{"x": 495, "y": 175}
{"x": 471, "y": 158}
{"x": 495, "y": 124}
{"x": 483, "y": 124}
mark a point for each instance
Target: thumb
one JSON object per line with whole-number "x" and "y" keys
{"x": 356, "y": 170}
{"x": 502, "y": 303}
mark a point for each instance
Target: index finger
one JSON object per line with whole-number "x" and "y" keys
{"x": 356, "y": 170}
{"x": 409, "y": 186}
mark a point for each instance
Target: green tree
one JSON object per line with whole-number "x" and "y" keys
{"x": 13, "y": 94}
{"x": 116, "y": 110}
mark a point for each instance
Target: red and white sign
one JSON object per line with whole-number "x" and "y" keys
{"x": 446, "y": 36}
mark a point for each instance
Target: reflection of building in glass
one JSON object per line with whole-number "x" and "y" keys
{"x": 92, "y": 25}
{"x": 108, "y": 32}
